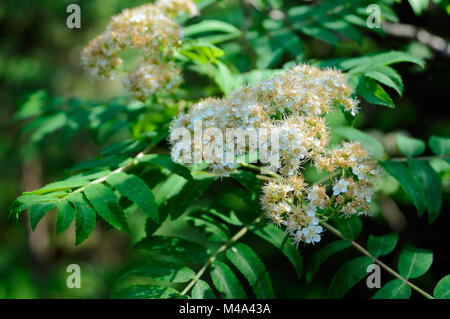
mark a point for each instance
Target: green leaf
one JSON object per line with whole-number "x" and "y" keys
{"x": 439, "y": 145}
{"x": 33, "y": 105}
{"x": 323, "y": 254}
{"x": 106, "y": 203}
{"x": 174, "y": 247}
{"x": 208, "y": 26}
{"x": 27, "y": 199}
{"x": 371, "y": 61}
{"x": 280, "y": 240}
{"x": 382, "y": 245}
{"x": 137, "y": 191}
{"x": 373, "y": 93}
{"x": 442, "y": 290}
{"x": 248, "y": 180}
{"x": 47, "y": 125}
{"x": 418, "y": 6}
{"x": 37, "y": 212}
{"x": 319, "y": 32}
{"x": 84, "y": 218}
{"x": 224, "y": 78}
{"x": 344, "y": 28}
{"x": 251, "y": 266}
{"x": 410, "y": 146}
{"x": 151, "y": 227}
{"x": 387, "y": 76}
{"x": 166, "y": 162}
{"x": 163, "y": 271}
{"x": 145, "y": 292}
{"x": 431, "y": 185}
{"x": 189, "y": 194}
{"x": 65, "y": 184}
{"x": 368, "y": 142}
{"x": 289, "y": 40}
{"x": 268, "y": 51}
{"x": 348, "y": 276}
{"x": 350, "y": 227}
{"x": 210, "y": 228}
{"x": 227, "y": 215}
{"x": 202, "y": 290}
{"x": 66, "y": 214}
{"x": 394, "y": 289}
{"x": 408, "y": 182}
{"x": 226, "y": 282}
{"x": 201, "y": 51}
{"x": 414, "y": 262}
{"x": 104, "y": 162}
{"x": 168, "y": 189}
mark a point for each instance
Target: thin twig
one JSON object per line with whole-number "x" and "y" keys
{"x": 383, "y": 265}
{"x": 425, "y": 158}
{"x": 412, "y": 32}
{"x": 220, "y": 250}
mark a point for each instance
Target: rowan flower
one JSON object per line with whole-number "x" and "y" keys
{"x": 149, "y": 29}
{"x": 312, "y": 234}
{"x": 288, "y": 112}
{"x": 148, "y": 78}
{"x": 173, "y": 8}
{"x": 340, "y": 186}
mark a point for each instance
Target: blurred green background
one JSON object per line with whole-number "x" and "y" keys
{"x": 39, "y": 55}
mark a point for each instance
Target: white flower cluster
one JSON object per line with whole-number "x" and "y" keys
{"x": 147, "y": 78}
{"x": 152, "y": 30}
{"x": 299, "y": 207}
{"x": 292, "y": 105}
{"x": 289, "y": 106}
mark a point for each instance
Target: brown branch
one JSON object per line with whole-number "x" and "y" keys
{"x": 423, "y": 36}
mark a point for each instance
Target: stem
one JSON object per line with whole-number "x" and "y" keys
{"x": 134, "y": 161}
{"x": 425, "y": 158}
{"x": 383, "y": 265}
{"x": 259, "y": 169}
{"x": 220, "y": 250}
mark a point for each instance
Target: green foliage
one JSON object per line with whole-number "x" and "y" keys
{"x": 106, "y": 204}
{"x": 202, "y": 290}
{"x": 252, "y": 268}
{"x": 145, "y": 292}
{"x": 226, "y": 282}
{"x": 410, "y": 146}
{"x": 323, "y": 254}
{"x": 348, "y": 276}
{"x": 419, "y": 6}
{"x": 135, "y": 190}
{"x": 442, "y": 290}
{"x": 414, "y": 262}
{"x": 382, "y": 245}
{"x": 439, "y": 145}
{"x": 194, "y": 229}
{"x": 351, "y": 228}
{"x": 394, "y": 289}
{"x": 174, "y": 247}
{"x": 84, "y": 218}
{"x": 420, "y": 182}
{"x": 369, "y": 71}
{"x": 408, "y": 181}
{"x": 279, "y": 239}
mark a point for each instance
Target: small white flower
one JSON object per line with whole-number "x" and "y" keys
{"x": 340, "y": 187}
{"x": 298, "y": 237}
{"x": 358, "y": 170}
{"x": 312, "y": 234}
{"x": 313, "y": 195}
